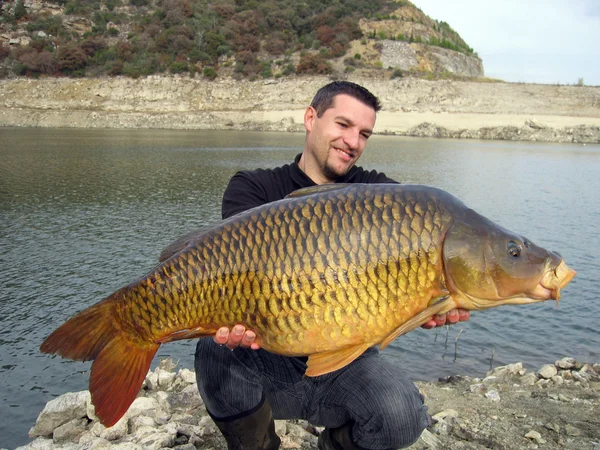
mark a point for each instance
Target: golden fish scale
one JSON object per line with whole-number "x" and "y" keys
{"x": 308, "y": 274}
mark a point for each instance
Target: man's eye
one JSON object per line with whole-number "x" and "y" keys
{"x": 343, "y": 125}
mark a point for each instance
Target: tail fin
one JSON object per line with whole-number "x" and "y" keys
{"x": 121, "y": 360}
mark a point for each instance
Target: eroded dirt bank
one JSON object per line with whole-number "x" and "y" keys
{"x": 412, "y": 107}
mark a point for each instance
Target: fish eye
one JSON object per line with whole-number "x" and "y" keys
{"x": 514, "y": 249}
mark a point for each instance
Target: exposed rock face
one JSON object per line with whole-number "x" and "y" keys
{"x": 427, "y": 58}
{"x": 412, "y": 107}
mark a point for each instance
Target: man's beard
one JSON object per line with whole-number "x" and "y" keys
{"x": 331, "y": 173}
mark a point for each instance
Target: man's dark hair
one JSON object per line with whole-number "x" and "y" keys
{"x": 323, "y": 99}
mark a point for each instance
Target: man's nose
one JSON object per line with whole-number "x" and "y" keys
{"x": 352, "y": 139}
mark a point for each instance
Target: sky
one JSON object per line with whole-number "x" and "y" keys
{"x": 533, "y": 41}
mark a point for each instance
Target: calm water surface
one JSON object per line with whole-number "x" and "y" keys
{"x": 84, "y": 212}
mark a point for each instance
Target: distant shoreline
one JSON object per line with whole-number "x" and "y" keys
{"x": 412, "y": 107}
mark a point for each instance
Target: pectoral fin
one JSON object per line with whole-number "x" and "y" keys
{"x": 325, "y": 362}
{"x": 191, "y": 333}
{"x": 439, "y": 306}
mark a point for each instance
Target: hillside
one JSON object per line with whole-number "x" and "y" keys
{"x": 243, "y": 39}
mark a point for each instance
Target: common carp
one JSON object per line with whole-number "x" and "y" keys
{"x": 327, "y": 272}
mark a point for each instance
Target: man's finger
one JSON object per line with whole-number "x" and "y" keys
{"x": 248, "y": 339}
{"x": 452, "y": 316}
{"x": 221, "y": 336}
{"x": 235, "y": 337}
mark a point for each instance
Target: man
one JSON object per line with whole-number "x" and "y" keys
{"x": 369, "y": 404}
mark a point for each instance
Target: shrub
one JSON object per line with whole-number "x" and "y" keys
{"x": 115, "y": 68}
{"x": 210, "y": 73}
{"x": 71, "y": 59}
{"x": 178, "y": 67}
{"x": 397, "y": 73}
{"x": 42, "y": 62}
{"x": 314, "y": 64}
{"x": 20, "y": 11}
{"x": 4, "y": 52}
{"x": 266, "y": 71}
{"x": 93, "y": 45}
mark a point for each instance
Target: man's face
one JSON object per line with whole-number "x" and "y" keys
{"x": 337, "y": 139}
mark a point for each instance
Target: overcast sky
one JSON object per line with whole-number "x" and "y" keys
{"x": 538, "y": 41}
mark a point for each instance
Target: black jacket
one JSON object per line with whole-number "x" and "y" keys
{"x": 250, "y": 188}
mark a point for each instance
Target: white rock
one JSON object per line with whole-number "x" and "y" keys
{"x": 163, "y": 400}
{"x": 490, "y": 379}
{"x": 430, "y": 440}
{"x": 117, "y": 431}
{"x": 188, "y": 376}
{"x": 510, "y": 369}
{"x": 547, "y": 371}
{"x": 493, "y": 395}
{"x": 280, "y": 427}
{"x": 566, "y": 363}
{"x": 534, "y": 435}
{"x": 69, "y": 430}
{"x": 581, "y": 377}
{"x": 156, "y": 440}
{"x": 142, "y": 405}
{"x": 140, "y": 421}
{"x": 38, "y": 444}
{"x": 59, "y": 411}
{"x": 528, "y": 379}
{"x": 165, "y": 379}
{"x": 558, "y": 380}
{"x": 167, "y": 364}
{"x": 127, "y": 446}
{"x": 446, "y": 415}
{"x": 477, "y": 388}
{"x": 152, "y": 381}
{"x": 543, "y": 383}
{"x": 91, "y": 442}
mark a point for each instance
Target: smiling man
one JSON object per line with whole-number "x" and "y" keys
{"x": 370, "y": 403}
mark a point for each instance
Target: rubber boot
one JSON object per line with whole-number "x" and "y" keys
{"x": 256, "y": 431}
{"x": 337, "y": 439}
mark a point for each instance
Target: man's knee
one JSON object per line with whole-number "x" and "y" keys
{"x": 397, "y": 422}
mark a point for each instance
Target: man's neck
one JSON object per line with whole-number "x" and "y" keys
{"x": 311, "y": 169}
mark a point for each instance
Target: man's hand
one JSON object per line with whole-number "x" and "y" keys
{"x": 238, "y": 337}
{"x": 452, "y": 316}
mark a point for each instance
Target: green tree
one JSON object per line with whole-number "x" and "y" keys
{"x": 20, "y": 9}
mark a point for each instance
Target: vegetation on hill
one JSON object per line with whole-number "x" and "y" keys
{"x": 243, "y": 38}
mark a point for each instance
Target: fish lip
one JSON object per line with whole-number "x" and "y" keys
{"x": 553, "y": 281}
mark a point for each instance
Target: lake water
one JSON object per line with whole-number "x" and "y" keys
{"x": 84, "y": 212}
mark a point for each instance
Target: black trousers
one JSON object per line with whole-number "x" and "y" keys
{"x": 385, "y": 406}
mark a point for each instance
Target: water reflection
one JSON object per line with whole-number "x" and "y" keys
{"x": 85, "y": 211}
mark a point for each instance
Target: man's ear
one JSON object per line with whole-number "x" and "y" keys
{"x": 309, "y": 116}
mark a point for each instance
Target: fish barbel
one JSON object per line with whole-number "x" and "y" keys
{"x": 327, "y": 272}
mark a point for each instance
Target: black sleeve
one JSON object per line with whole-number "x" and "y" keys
{"x": 242, "y": 193}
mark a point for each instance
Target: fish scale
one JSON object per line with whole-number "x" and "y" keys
{"x": 327, "y": 272}
{"x": 370, "y": 292}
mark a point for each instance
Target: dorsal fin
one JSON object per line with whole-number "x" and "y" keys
{"x": 318, "y": 189}
{"x": 180, "y": 243}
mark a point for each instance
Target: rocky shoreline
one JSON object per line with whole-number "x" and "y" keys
{"x": 412, "y": 106}
{"x": 556, "y": 407}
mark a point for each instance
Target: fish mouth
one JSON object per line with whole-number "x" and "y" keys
{"x": 552, "y": 282}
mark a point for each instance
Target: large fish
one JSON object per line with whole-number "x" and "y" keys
{"x": 327, "y": 272}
